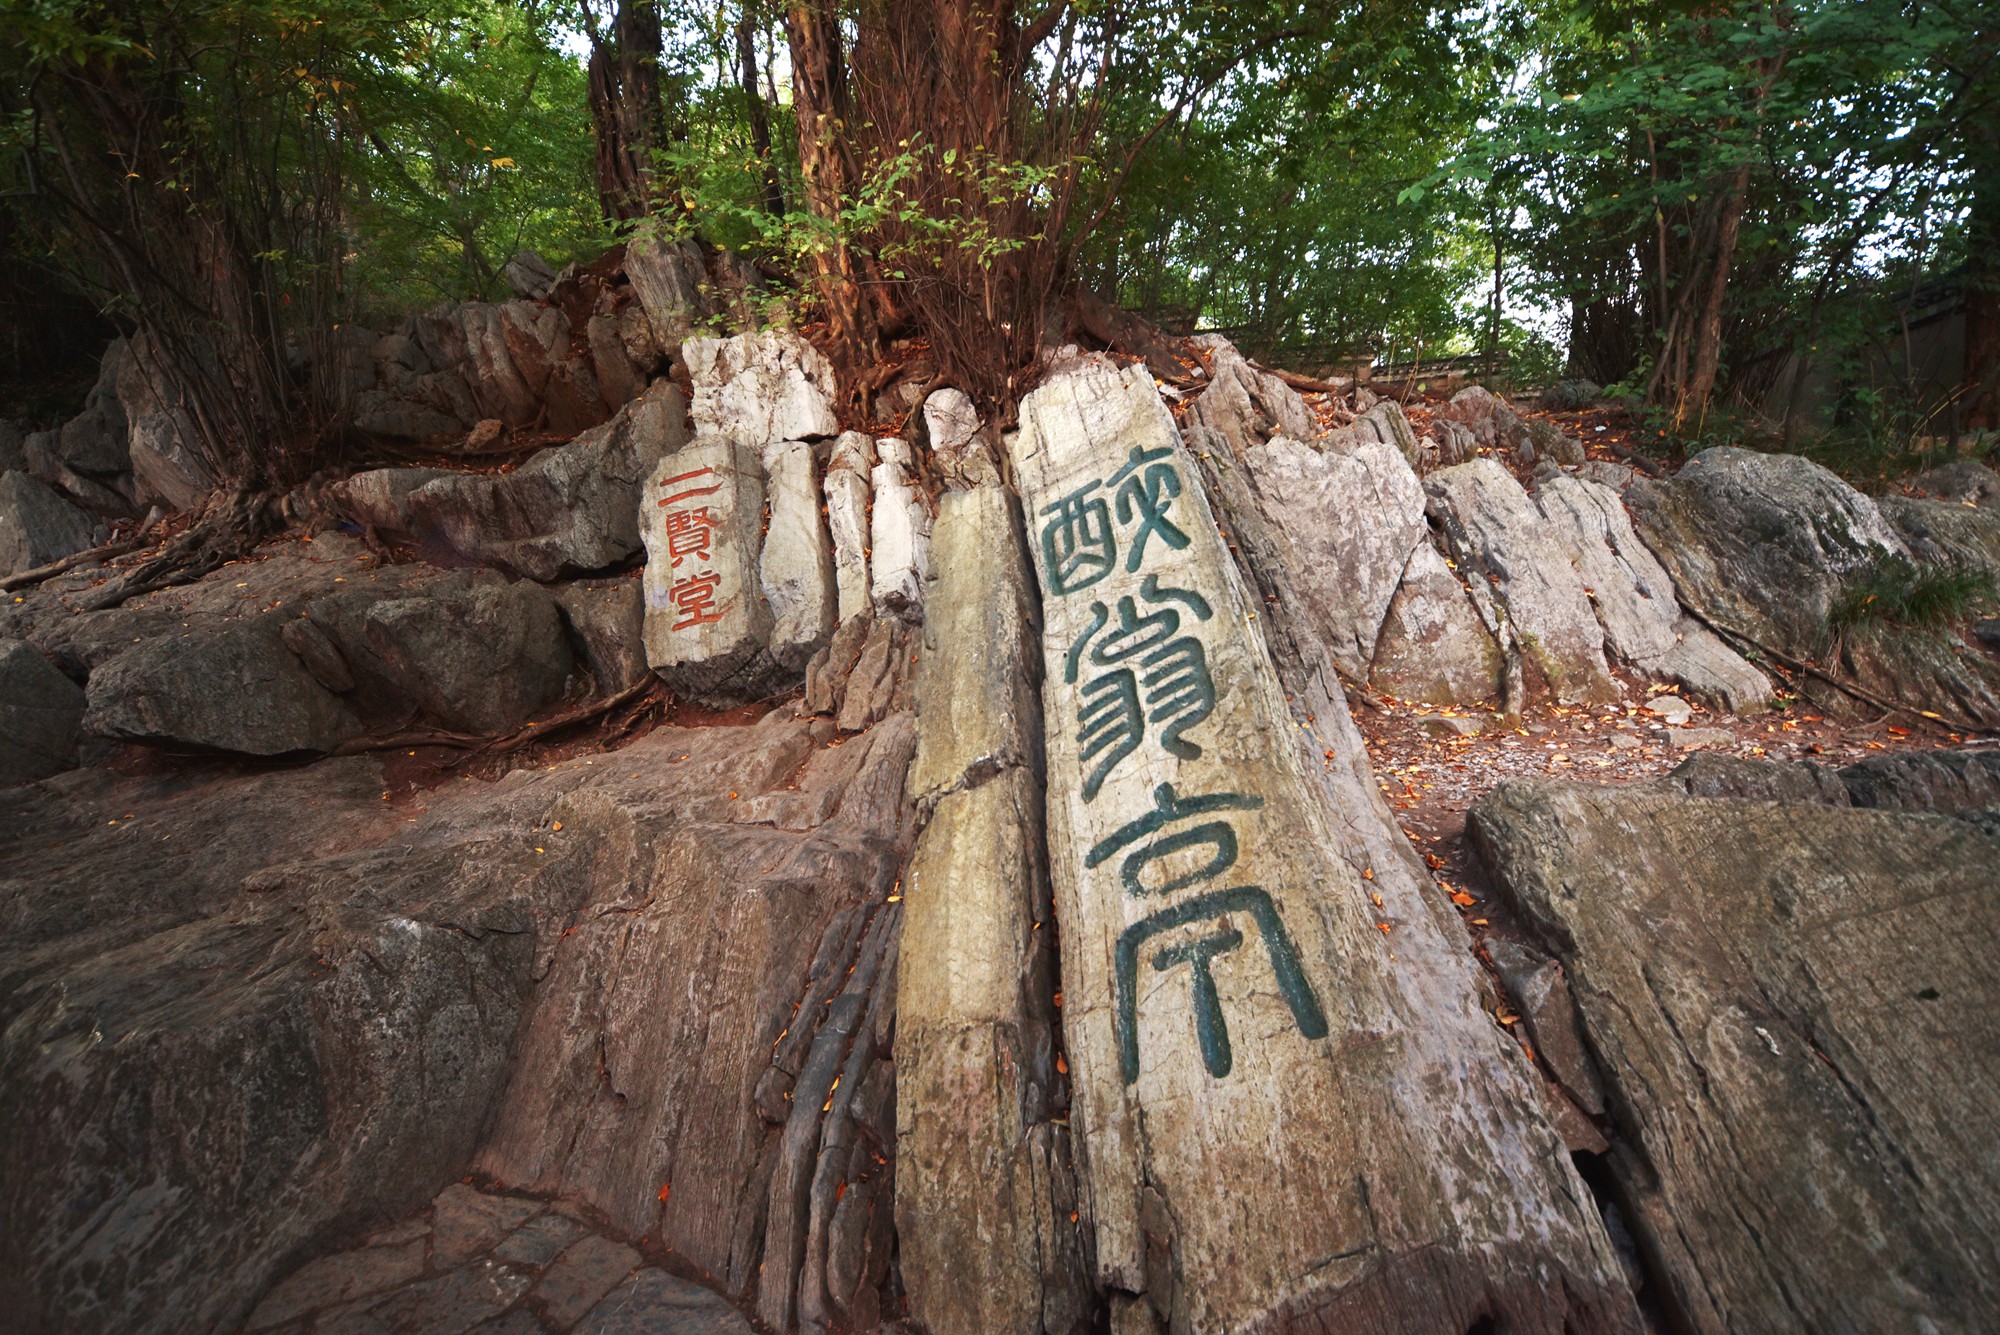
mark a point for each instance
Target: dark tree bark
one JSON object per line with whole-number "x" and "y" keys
{"x": 135, "y": 188}
{"x": 1982, "y": 294}
{"x": 625, "y": 108}
{"x": 760, "y": 115}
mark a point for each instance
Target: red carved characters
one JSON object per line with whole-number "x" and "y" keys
{"x": 689, "y": 533}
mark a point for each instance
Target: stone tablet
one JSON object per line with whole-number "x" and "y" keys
{"x": 708, "y": 626}
{"x": 1275, "y": 1135}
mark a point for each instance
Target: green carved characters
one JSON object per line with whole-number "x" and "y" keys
{"x": 1141, "y": 674}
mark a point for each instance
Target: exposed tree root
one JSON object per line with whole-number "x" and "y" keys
{"x": 651, "y": 690}
{"x": 39, "y": 574}
{"x": 1858, "y": 692}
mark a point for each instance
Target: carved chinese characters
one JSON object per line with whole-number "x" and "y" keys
{"x": 1234, "y": 1017}
{"x": 707, "y": 622}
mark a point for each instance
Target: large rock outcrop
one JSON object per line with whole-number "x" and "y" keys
{"x": 1788, "y": 1004}
{"x": 658, "y": 983}
{"x": 761, "y": 387}
{"x": 1281, "y": 1126}
{"x": 570, "y": 509}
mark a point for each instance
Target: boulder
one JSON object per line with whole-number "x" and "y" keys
{"x": 571, "y": 508}
{"x": 1235, "y": 1027}
{"x": 167, "y": 465}
{"x": 1433, "y": 646}
{"x": 528, "y": 275}
{"x": 899, "y": 534}
{"x": 1244, "y": 405}
{"x": 607, "y": 622}
{"x": 960, "y": 453}
{"x": 498, "y": 386}
{"x": 387, "y": 413}
{"x": 667, "y": 277}
{"x": 1961, "y": 482}
{"x": 472, "y": 654}
{"x": 1489, "y": 417}
{"x": 760, "y": 388}
{"x": 1761, "y": 542}
{"x": 795, "y": 570}
{"x": 1351, "y": 520}
{"x": 1455, "y": 441}
{"x": 985, "y": 1190}
{"x": 37, "y": 526}
{"x": 1550, "y": 443}
{"x": 1496, "y": 534}
{"x": 1787, "y": 1002}
{"x": 229, "y": 687}
{"x": 708, "y": 626}
{"x": 1950, "y": 532}
{"x": 379, "y": 499}
{"x": 1765, "y": 546}
{"x": 848, "y": 497}
{"x": 1635, "y": 603}
{"x": 40, "y": 710}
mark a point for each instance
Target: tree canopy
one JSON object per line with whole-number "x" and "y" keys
{"x": 1707, "y": 203}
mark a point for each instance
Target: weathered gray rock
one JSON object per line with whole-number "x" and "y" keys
{"x": 478, "y": 656}
{"x": 708, "y": 627}
{"x": 1550, "y": 443}
{"x": 607, "y": 620}
{"x": 1760, "y": 541}
{"x": 1787, "y": 1002}
{"x": 1385, "y": 424}
{"x": 899, "y": 534}
{"x": 385, "y": 413}
{"x": 1764, "y": 545}
{"x": 40, "y": 710}
{"x": 1258, "y": 1088}
{"x": 961, "y": 453}
{"x": 380, "y": 498}
{"x": 1496, "y": 534}
{"x": 1955, "y": 533}
{"x": 761, "y": 387}
{"x": 1433, "y": 646}
{"x": 1960, "y": 482}
{"x": 572, "y": 508}
{"x": 1244, "y": 405}
{"x": 1539, "y": 988}
{"x": 1455, "y": 441}
{"x": 985, "y": 1192}
{"x": 1634, "y": 598}
{"x": 528, "y": 275}
{"x": 654, "y": 1302}
{"x": 234, "y": 687}
{"x": 1351, "y": 521}
{"x": 796, "y": 567}
{"x": 318, "y": 1003}
{"x": 848, "y": 496}
{"x": 1954, "y": 781}
{"x": 667, "y": 276}
{"x": 36, "y": 525}
{"x": 1489, "y": 417}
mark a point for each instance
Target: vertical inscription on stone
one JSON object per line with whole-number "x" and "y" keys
{"x": 702, "y": 515}
{"x": 1191, "y": 868}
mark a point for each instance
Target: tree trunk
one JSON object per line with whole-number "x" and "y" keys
{"x": 760, "y": 115}
{"x": 1982, "y": 294}
{"x": 830, "y": 172}
{"x": 1706, "y": 351}
{"x": 625, "y": 109}
{"x": 165, "y": 236}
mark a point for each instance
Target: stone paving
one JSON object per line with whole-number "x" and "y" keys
{"x": 495, "y": 1264}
